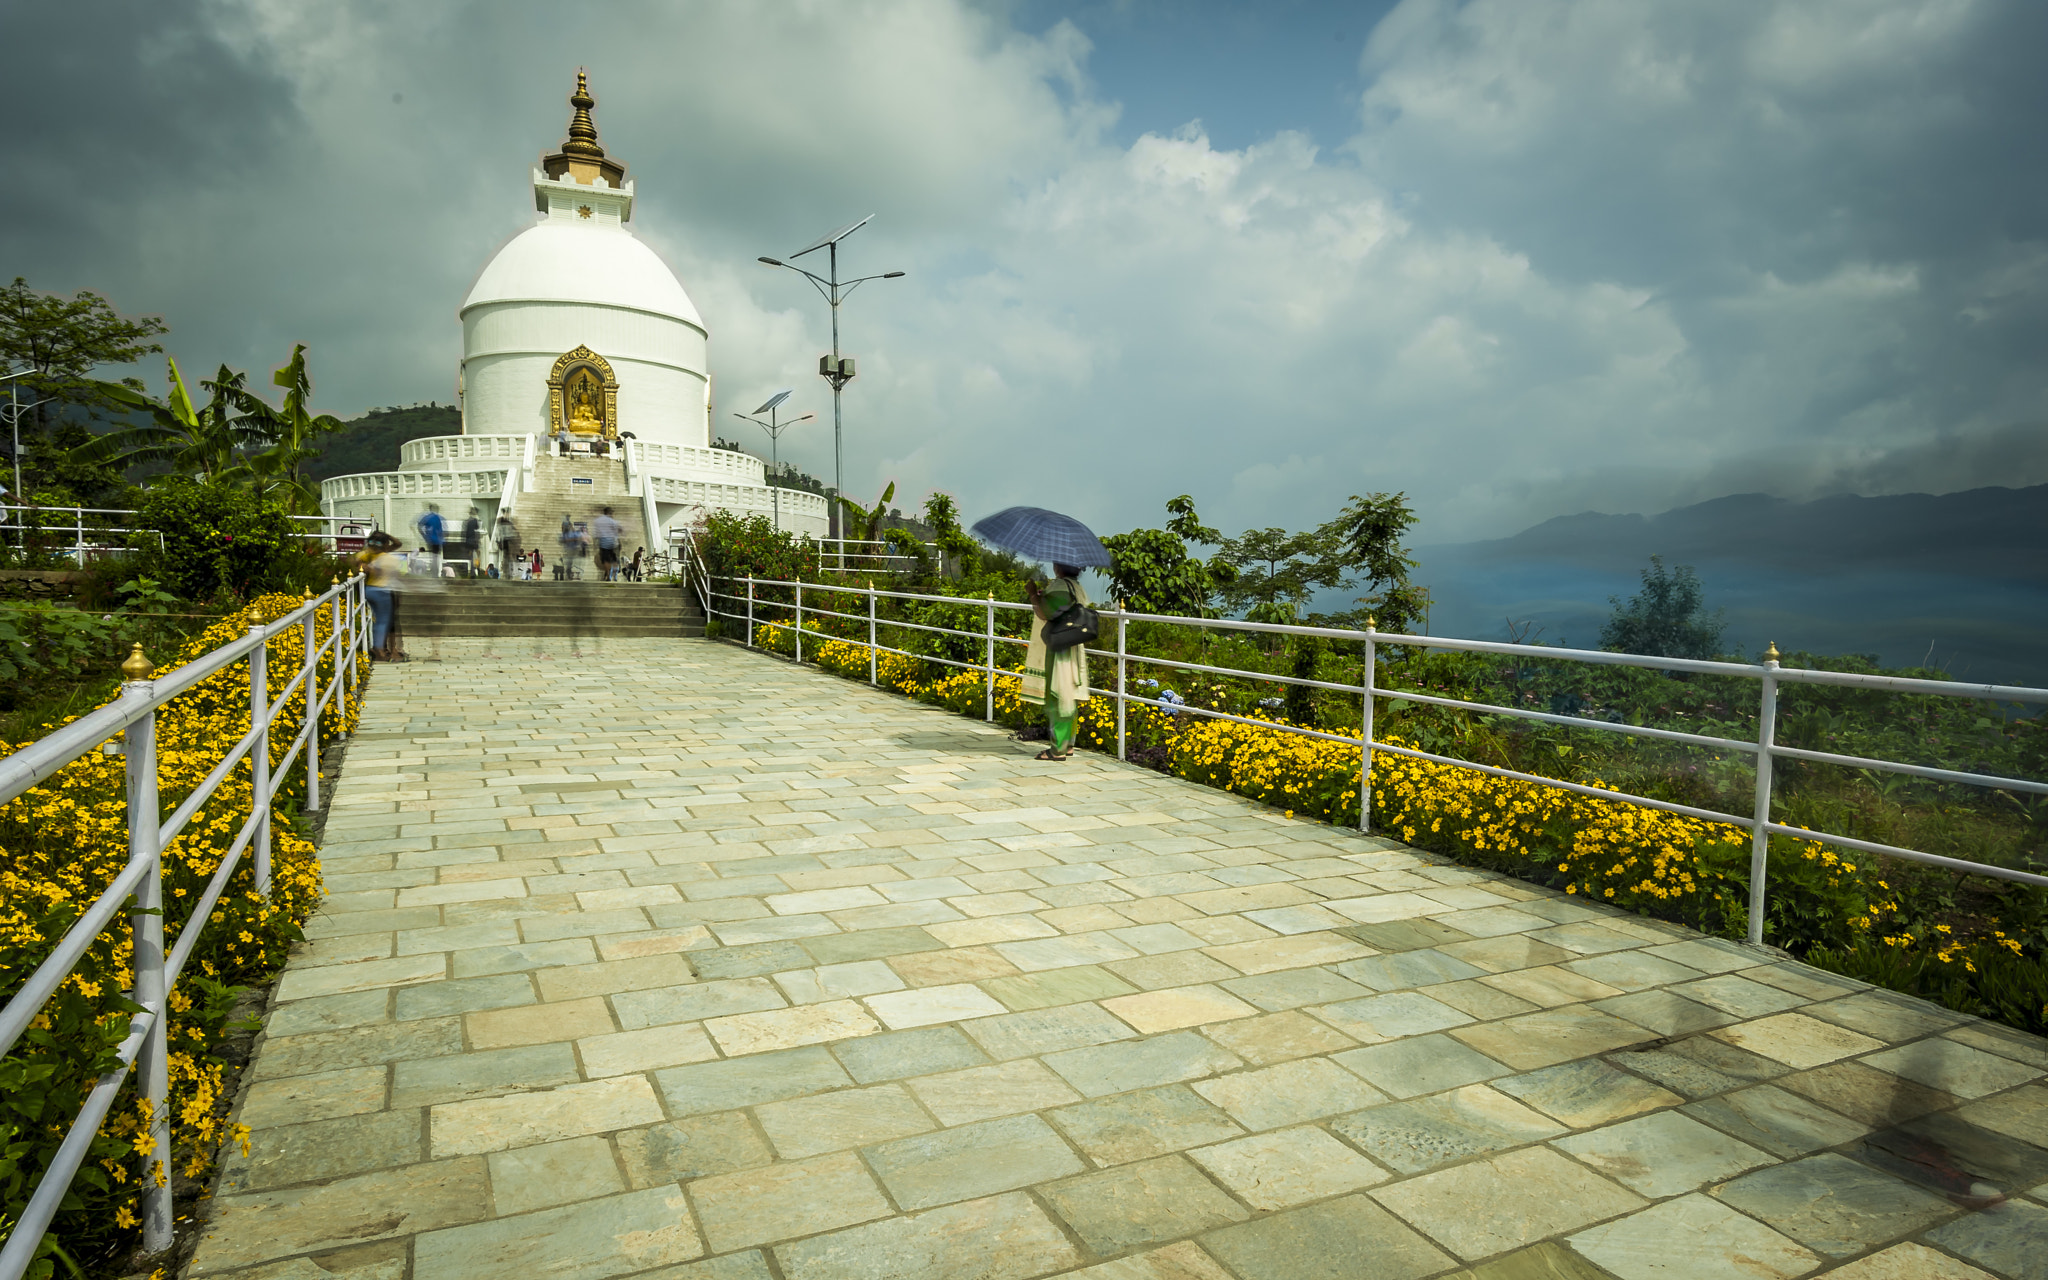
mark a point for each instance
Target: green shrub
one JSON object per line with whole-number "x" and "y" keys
{"x": 222, "y": 540}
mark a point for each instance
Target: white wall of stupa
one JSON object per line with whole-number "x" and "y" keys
{"x": 578, "y": 345}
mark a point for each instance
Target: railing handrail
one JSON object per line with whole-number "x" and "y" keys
{"x": 133, "y": 716}
{"x": 1768, "y": 673}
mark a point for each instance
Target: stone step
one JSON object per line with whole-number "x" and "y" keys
{"x": 551, "y": 608}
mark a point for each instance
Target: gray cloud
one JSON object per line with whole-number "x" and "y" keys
{"x": 1581, "y": 253}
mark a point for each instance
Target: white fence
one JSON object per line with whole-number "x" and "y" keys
{"x": 132, "y": 717}
{"x": 89, "y": 530}
{"x": 743, "y": 602}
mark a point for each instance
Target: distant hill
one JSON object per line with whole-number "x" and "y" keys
{"x": 1960, "y": 576}
{"x": 370, "y": 443}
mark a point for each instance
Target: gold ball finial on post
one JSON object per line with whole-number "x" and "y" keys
{"x": 1771, "y": 653}
{"x": 137, "y": 667}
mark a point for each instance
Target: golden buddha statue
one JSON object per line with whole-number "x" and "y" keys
{"x": 586, "y": 405}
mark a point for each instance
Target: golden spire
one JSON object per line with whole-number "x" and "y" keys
{"x": 582, "y": 129}
{"x": 581, "y": 159}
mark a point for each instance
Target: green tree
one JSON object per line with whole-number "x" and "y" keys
{"x": 55, "y": 343}
{"x": 1666, "y": 619}
{"x": 1153, "y": 570}
{"x": 220, "y": 539}
{"x": 1275, "y": 567}
{"x": 1366, "y": 539}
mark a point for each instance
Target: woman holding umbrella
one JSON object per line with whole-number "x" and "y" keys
{"x": 1055, "y": 673}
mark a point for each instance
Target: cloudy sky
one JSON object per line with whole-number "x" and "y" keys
{"x": 1515, "y": 257}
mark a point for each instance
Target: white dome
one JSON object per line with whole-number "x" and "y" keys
{"x": 558, "y": 261}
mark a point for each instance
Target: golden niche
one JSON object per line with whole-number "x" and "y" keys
{"x": 583, "y": 397}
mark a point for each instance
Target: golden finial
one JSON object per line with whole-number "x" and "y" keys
{"x": 582, "y": 129}
{"x": 1771, "y": 653}
{"x": 137, "y": 667}
{"x": 1371, "y": 623}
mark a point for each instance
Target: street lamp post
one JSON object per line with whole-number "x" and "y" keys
{"x": 14, "y": 411}
{"x": 835, "y": 368}
{"x": 775, "y": 426}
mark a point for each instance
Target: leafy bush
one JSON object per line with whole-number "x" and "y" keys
{"x": 60, "y": 844}
{"x": 223, "y": 540}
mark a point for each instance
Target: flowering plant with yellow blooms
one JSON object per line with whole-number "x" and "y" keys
{"x": 61, "y": 843}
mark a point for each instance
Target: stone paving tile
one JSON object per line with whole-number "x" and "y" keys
{"x": 1115, "y": 1068}
{"x": 783, "y": 1201}
{"x": 980, "y": 1093}
{"x": 767, "y": 1077}
{"x": 1660, "y": 1155}
{"x": 1953, "y": 1068}
{"x": 824, "y": 1122}
{"x": 1148, "y": 1122}
{"x": 1833, "y": 1204}
{"x": 242, "y": 1230}
{"x": 856, "y": 988}
{"x": 322, "y": 1150}
{"x": 552, "y": 1173}
{"x": 697, "y": 1147}
{"x": 320, "y": 1096}
{"x": 1305, "y": 1089}
{"x": 1001, "y": 1238}
{"x": 1718, "y": 1244}
{"x": 1420, "y": 1064}
{"x": 1287, "y": 1167}
{"x": 1490, "y": 1206}
{"x": 2011, "y": 1239}
{"x": 1139, "y": 1204}
{"x": 1419, "y": 1135}
{"x": 1349, "y": 1236}
{"x": 972, "y": 1160}
{"x": 1909, "y": 1262}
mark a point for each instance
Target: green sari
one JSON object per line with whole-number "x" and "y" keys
{"x": 1058, "y": 678}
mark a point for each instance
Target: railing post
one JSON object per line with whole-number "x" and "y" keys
{"x": 1365, "y": 731}
{"x": 871, "y": 636}
{"x": 259, "y": 755}
{"x": 799, "y": 620}
{"x": 152, "y": 1061}
{"x": 750, "y": 613}
{"x": 1760, "y": 839}
{"x": 1122, "y": 649}
{"x": 335, "y": 617}
{"x": 989, "y": 657}
{"x": 308, "y": 691}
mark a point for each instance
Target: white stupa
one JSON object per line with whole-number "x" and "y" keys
{"x": 584, "y": 382}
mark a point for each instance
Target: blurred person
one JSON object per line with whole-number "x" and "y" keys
{"x": 633, "y": 570}
{"x": 607, "y": 531}
{"x": 1059, "y": 676}
{"x": 381, "y": 571}
{"x": 533, "y": 573}
{"x": 432, "y": 530}
{"x": 567, "y": 568}
{"x": 472, "y": 541}
{"x": 506, "y": 535}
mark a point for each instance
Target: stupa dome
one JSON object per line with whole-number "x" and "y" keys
{"x": 586, "y": 261}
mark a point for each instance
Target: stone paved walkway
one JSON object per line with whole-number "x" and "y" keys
{"x": 686, "y": 963}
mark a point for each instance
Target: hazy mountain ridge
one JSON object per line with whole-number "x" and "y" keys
{"x": 1994, "y": 532}
{"x": 1962, "y": 577}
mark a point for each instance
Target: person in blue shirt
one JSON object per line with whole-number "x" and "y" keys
{"x": 431, "y": 534}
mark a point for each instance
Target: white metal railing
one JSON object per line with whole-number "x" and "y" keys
{"x": 132, "y": 716}
{"x": 87, "y": 536}
{"x": 861, "y": 554}
{"x": 1765, "y": 749}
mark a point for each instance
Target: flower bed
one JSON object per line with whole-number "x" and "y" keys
{"x": 60, "y": 844}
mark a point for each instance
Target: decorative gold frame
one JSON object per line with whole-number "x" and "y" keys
{"x": 558, "y": 381}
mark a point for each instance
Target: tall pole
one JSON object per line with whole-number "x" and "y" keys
{"x": 838, "y": 386}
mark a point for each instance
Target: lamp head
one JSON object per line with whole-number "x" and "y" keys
{"x": 773, "y": 262}
{"x": 891, "y": 275}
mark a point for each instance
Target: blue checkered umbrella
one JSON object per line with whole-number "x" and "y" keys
{"x": 1044, "y": 535}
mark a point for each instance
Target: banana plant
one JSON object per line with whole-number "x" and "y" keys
{"x": 292, "y": 432}
{"x": 863, "y": 525}
{"x": 208, "y": 441}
